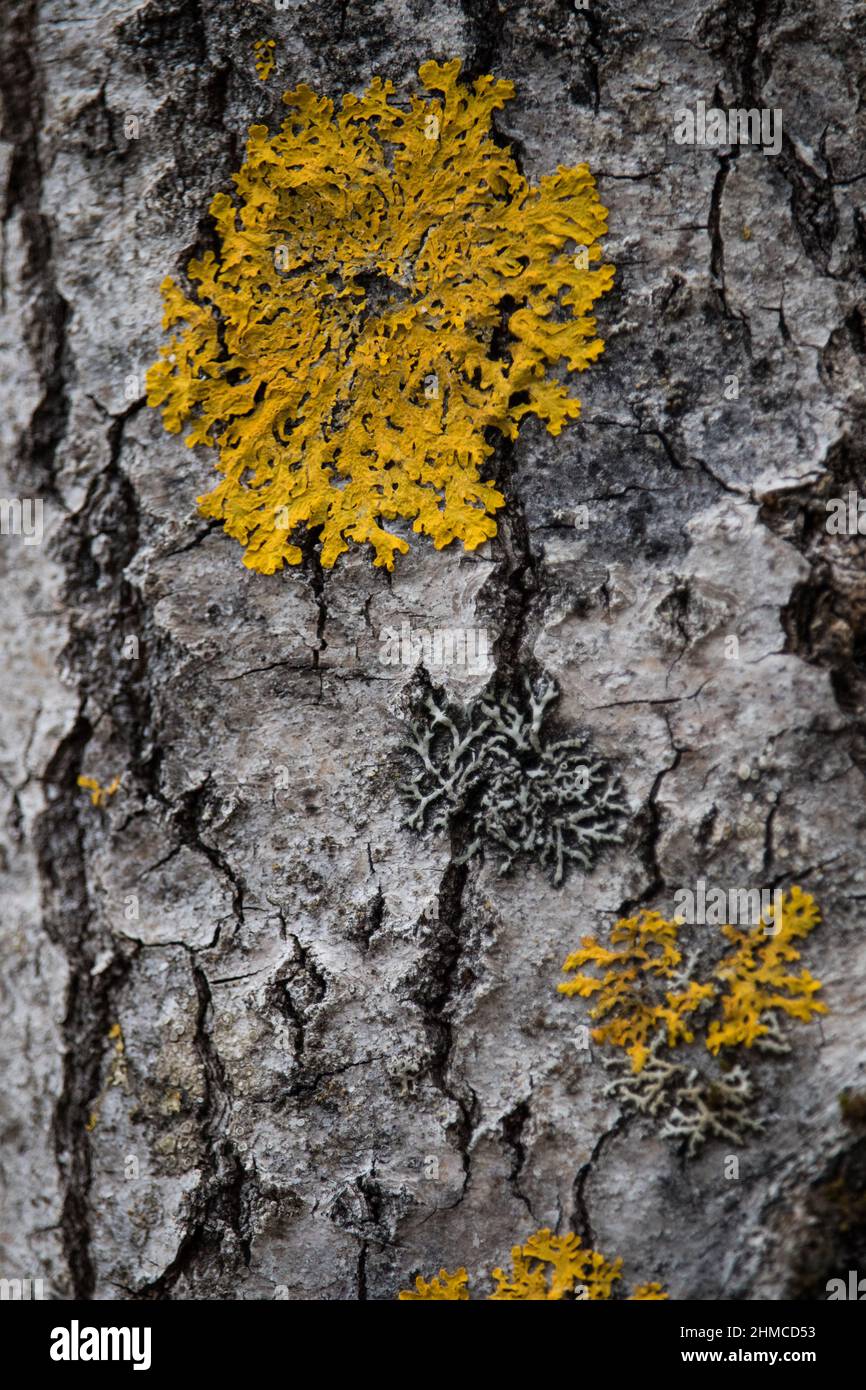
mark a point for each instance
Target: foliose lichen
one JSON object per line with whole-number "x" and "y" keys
{"x": 546, "y": 1268}
{"x": 645, "y": 1005}
{"x": 265, "y": 57}
{"x": 694, "y": 1107}
{"x": 759, "y": 987}
{"x": 631, "y": 1010}
{"x": 386, "y": 288}
{"x": 98, "y": 794}
{"x": 493, "y": 770}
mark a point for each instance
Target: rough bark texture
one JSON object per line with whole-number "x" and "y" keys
{"x": 345, "y": 1058}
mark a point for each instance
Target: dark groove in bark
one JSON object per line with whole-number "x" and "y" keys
{"x": 23, "y": 107}
{"x": 513, "y": 1126}
{"x": 59, "y": 847}
{"x": 218, "y": 1222}
{"x": 581, "y": 1223}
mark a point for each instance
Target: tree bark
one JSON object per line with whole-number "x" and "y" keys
{"x": 258, "y": 1039}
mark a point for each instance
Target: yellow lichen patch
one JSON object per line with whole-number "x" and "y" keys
{"x": 648, "y": 1003}
{"x": 451, "y": 1288}
{"x": 647, "y": 951}
{"x": 265, "y": 57}
{"x": 547, "y": 1267}
{"x": 386, "y": 288}
{"x": 758, "y": 981}
{"x": 648, "y": 1293}
{"x": 98, "y": 794}
{"x": 756, "y": 977}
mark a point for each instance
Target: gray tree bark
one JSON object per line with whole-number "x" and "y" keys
{"x": 325, "y": 1055}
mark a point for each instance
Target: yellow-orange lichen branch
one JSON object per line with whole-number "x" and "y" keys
{"x": 547, "y": 1267}
{"x": 386, "y": 288}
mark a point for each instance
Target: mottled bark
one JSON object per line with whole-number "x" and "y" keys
{"x": 344, "y": 1058}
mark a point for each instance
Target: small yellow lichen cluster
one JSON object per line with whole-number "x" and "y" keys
{"x": 546, "y": 1267}
{"x": 117, "y": 1074}
{"x": 265, "y": 57}
{"x": 98, "y": 794}
{"x": 648, "y": 951}
{"x": 444, "y": 1288}
{"x": 757, "y": 979}
{"x": 755, "y": 982}
{"x": 386, "y": 288}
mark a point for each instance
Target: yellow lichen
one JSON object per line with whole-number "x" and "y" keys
{"x": 117, "y": 1075}
{"x": 450, "y": 1288}
{"x": 648, "y": 1293}
{"x": 98, "y": 794}
{"x": 648, "y": 951}
{"x": 265, "y": 57}
{"x": 547, "y": 1267}
{"x": 386, "y": 289}
{"x": 758, "y": 980}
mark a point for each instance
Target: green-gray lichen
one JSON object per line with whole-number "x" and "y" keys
{"x": 493, "y": 772}
{"x": 694, "y": 1107}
